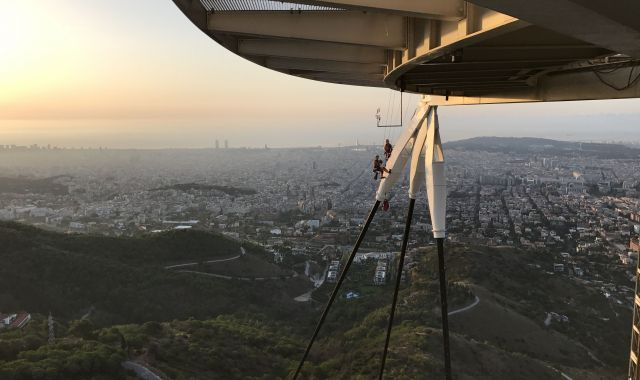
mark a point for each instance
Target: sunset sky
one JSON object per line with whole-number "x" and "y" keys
{"x": 122, "y": 73}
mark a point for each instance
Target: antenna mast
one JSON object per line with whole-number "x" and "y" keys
{"x": 52, "y": 330}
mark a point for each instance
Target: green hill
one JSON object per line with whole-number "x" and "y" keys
{"x": 214, "y": 328}
{"x": 546, "y": 146}
{"x": 514, "y": 289}
{"x": 24, "y": 185}
{"x": 503, "y": 337}
{"x": 124, "y": 280}
{"x": 230, "y": 190}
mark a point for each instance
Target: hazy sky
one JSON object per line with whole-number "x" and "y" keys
{"x": 123, "y": 73}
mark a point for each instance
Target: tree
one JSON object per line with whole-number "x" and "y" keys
{"x": 82, "y": 328}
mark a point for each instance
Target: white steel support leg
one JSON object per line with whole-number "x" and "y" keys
{"x": 436, "y": 181}
{"x": 416, "y": 177}
{"x": 421, "y": 141}
{"x": 417, "y": 169}
{"x": 437, "y": 195}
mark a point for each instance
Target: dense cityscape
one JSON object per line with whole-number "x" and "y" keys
{"x": 580, "y": 202}
{"x": 547, "y": 229}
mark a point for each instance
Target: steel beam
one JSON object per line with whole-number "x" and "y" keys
{"x": 350, "y": 27}
{"x": 474, "y": 86}
{"x": 560, "y": 86}
{"x": 450, "y": 10}
{"x": 363, "y": 83}
{"x": 515, "y": 63}
{"x": 605, "y": 24}
{"x": 589, "y": 85}
{"x": 437, "y": 81}
{"x": 342, "y": 77}
{"x": 311, "y": 50}
{"x": 531, "y": 47}
{"x": 278, "y": 63}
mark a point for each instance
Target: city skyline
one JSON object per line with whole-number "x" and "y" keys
{"x": 218, "y": 144}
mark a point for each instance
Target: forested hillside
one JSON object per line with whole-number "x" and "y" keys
{"x": 114, "y": 301}
{"x": 123, "y": 280}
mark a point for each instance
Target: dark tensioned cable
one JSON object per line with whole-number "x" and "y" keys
{"x": 403, "y": 251}
{"x": 444, "y": 308}
{"x": 631, "y": 80}
{"x": 343, "y": 275}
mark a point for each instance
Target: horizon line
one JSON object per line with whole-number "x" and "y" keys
{"x": 267, "y": 147}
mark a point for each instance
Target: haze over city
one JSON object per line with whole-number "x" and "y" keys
{"x": 94, "y": 73}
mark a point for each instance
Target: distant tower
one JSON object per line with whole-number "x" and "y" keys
{"x": 217, "y": 144}
{"x": 226, "y": 144}
{"x": 357, "y": 142}
{"x": 52, "y": 331}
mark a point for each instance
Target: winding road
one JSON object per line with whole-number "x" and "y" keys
{"x": 141, "y": 371}
{"x": 223, "y": 276}
{"x": 242, "y": 253}
{"x": 284, "y": 277}
{"x": 466, "y": 308}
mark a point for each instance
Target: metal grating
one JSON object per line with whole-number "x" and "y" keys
{"x": 261, "y": 5}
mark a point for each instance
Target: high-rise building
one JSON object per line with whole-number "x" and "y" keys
{"x": 226, "y": 144}
{"x": 217, "y": 144}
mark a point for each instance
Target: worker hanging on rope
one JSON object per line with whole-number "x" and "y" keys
{"x": 379, "y": 168}
{"x": 388, "y": 148}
